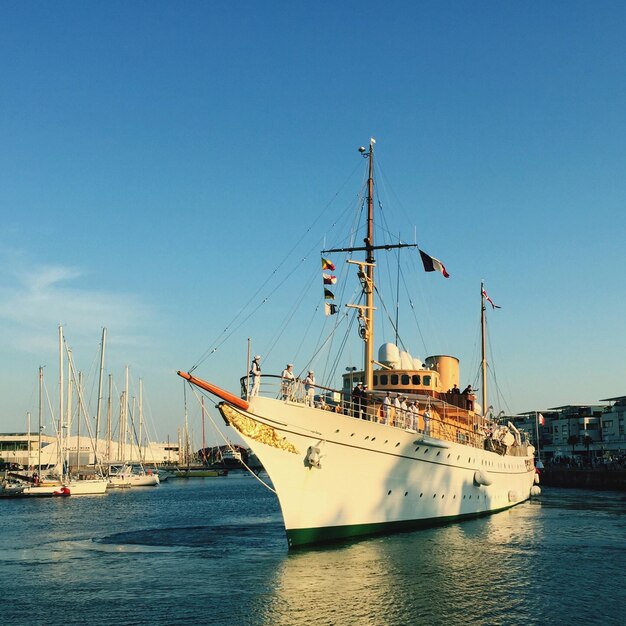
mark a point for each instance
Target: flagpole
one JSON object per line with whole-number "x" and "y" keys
{"x": 537, "y": 431}
{"x": 483, "y": 363}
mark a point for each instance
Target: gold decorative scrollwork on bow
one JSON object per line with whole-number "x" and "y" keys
{"x": 253, "y": 429}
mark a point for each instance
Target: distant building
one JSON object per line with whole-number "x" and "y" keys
{"x": 23, "y": 448}
{"x": 591, "y": 431}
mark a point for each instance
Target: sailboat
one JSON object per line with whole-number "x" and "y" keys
{"x": 346, "y": 466}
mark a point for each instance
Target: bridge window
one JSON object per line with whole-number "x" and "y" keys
{"x": 394, "y": 379}
{"x": 427, "y": 381}
{"x": 384, "y": 380}
{"x": 416, "y": 379}
{"x": 405, "y": 379}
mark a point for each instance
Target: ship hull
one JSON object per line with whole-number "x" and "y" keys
{"x": 338, "y": 477}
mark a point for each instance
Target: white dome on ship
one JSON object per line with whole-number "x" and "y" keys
{"x": 406, "y": 361}
{"x": 389, "y": 355}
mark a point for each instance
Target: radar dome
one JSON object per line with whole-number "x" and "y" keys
{"x": 389, "y": 355}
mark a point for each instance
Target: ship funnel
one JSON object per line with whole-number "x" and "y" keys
{"x": 448, "y": 368}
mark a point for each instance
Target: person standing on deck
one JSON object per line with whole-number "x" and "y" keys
{"x": 364, "y": 403}
{"x": 427, "y": 420}
{"x": 386, "y": 408}
{"x": 413, "y": 416}
{"x": 404, "y": 412}
{"x": 309, "y": 387}
{"x": 357, "y": 400}
{"x": 397, "y": 410}
{"x": 255, "y": 372}
{"x": 287, "y": 381}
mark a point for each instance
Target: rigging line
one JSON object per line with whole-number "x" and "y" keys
{"x": 342, "y": 347}
{"x": 328, "y": 337}
{"x": 306, "y": 288}
{"x": 283, "y": 326}
{"x": 389, "y": 318}
{"x": 218, "y": 343}
{"x": 210, "y": 350}
{"x": 228, "y": 443}
{"x": 414, "y": 311}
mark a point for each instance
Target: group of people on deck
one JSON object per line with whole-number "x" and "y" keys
{"x": 468, "y": 395}
{"x": 288, "y": 379}
{"x": 397, "y": 410}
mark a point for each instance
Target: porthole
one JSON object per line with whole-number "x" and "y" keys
{"x": 366, "y": 438}
{"x": 373, "y": 438}
{"x": 417, "y": 449}
{"x": 438, "y": 453}
{"x": 352, "y": 435}
{"x": 406, "y": 493}
{"x": 425, "y": 450}
{"x": 434, "y": 495}
{"x": 443, "y": 495}
{"x": 421, "y": 494}
{"x": 389, "y": 492}
{"x": 397, "y": 444}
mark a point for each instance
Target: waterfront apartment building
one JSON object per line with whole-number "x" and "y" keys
{"x": 592, "y": 431}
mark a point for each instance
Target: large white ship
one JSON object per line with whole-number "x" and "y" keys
{"x": 346, "y": 464}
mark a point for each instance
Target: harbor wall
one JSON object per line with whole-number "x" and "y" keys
{"x": 599, "y": 478}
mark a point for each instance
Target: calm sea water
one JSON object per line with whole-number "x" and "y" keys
{"x": 213, "y": 551}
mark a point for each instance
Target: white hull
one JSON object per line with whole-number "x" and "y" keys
{"x": 46, "y": 490}
{"x": 88, "y": 486}
{"x": 371, "y": 477}
{"x": 134, "y": 480}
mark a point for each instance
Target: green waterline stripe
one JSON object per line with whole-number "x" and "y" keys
{"x": 300, "y": 537}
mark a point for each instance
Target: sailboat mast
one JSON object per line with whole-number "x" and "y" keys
{"x": 483, "y": 334}
{"x": 40, "y": 420}
{"x": 99, "y": 407}
{"x": 369, "y": 272}
{"x": 61, "y": 403}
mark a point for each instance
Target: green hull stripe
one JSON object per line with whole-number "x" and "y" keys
{"x": 299, "y": 537}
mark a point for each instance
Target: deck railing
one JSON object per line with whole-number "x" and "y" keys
{"x": 444, "y": 422}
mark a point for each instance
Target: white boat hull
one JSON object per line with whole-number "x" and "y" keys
{"x": 88, "y": 487}
{"x": 46, "y": 490}
{"x": 371, "y": 478}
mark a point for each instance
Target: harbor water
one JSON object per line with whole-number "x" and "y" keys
{"x": 213, "y": 551}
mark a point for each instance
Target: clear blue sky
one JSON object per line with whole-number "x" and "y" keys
{"x": 157, "y": 159}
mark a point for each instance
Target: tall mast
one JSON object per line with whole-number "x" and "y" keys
{"x": 483, "y": 334}
{"x": 109, "y": 413}
{"x": 369, "y": 272}
{"x": 99, "y": 406}
{"x": 61, "y": 404}
{"x": 40, "y": 420}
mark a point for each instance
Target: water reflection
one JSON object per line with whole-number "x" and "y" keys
{"x": 431, "y": 576}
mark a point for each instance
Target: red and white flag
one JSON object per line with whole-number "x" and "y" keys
{"x": 542, "y": 419}
{"x": 486, "y": 297}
